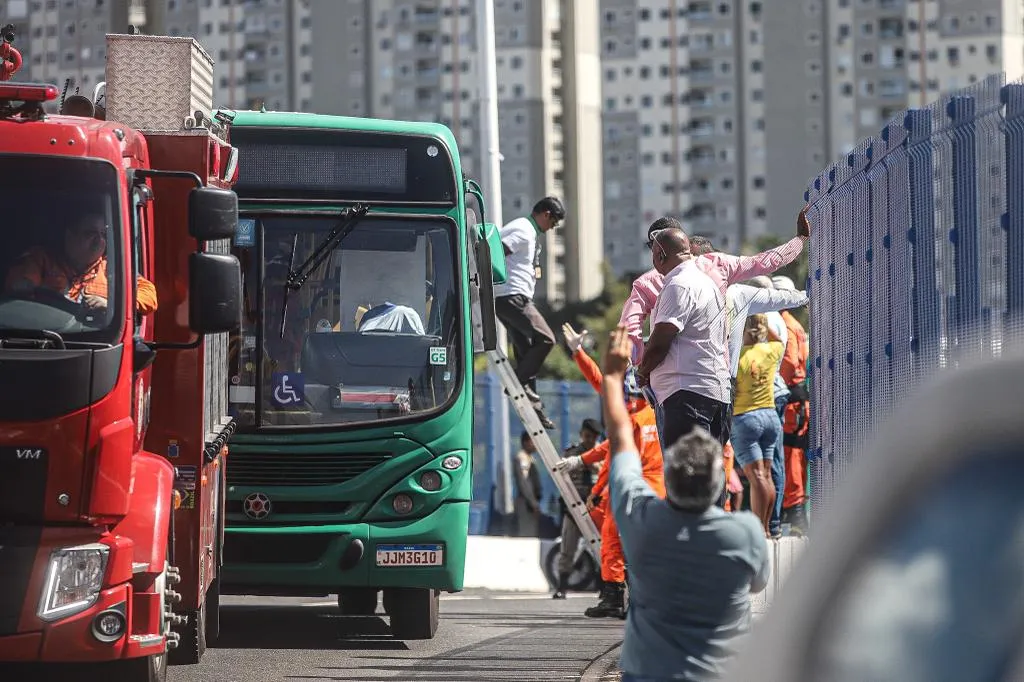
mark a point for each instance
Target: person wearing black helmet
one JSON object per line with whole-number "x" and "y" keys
{"x": 532, "y": 338}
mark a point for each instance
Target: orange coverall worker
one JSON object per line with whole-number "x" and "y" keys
{"x": 645, "y": 435}
{"x": 797, "y": 416}
{"x": 40, "y": 269}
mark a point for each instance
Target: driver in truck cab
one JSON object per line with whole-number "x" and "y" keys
{"x": 79, "y": 271}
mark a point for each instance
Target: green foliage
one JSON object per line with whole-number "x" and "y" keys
{"x": 599, "y": 316}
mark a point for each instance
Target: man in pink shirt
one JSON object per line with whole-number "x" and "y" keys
{"x": 722, "y": 268}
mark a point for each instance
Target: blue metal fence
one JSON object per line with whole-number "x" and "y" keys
{"x": 916, "y": 263}
{"x": 568, "y": 403}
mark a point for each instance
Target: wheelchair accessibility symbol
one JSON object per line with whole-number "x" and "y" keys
{"x": 288, "y": 388}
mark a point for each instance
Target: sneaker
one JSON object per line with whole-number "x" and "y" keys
{"x": 532, "y": 395}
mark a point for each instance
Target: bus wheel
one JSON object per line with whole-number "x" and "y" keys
{"x": 358, "y": 601}
{"x": 414, "y": 612}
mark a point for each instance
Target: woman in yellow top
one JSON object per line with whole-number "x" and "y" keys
{"x": 756, "y": 428}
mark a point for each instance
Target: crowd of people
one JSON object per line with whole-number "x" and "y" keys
{"x": 712, "y": 397}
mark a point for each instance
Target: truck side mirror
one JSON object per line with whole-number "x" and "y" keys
{"x": 215, "y": 293}
{"x": 212, "y": 213}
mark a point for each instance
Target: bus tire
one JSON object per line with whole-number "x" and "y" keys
{"x": 414, "y": 612}
{"x": 146, "y": 669}
{"x": 358, "y": 601}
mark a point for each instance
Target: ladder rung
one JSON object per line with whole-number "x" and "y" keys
{"x": 549, "y": 454}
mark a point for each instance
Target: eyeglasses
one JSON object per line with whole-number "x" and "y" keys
{"x": 100, "y": 234}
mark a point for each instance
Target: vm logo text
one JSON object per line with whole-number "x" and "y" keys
{"x": 29, "y": 453}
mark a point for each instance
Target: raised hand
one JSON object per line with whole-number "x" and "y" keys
{"x": 803, "y": 226}
{"x": 617, "y": 355}
{"x": 573, "y": 339}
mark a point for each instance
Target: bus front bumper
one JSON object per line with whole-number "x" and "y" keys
{"x": 321, "y": 559}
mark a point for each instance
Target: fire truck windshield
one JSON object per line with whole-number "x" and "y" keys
{"x": 59, "y": 260}
{"x": 371, "y": 336}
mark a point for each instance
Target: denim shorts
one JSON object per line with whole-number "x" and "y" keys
{"x": 755, "y": 435}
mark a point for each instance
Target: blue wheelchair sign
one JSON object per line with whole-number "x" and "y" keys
{"x": 288, "y": 388}
{"x": 245, "y": 232}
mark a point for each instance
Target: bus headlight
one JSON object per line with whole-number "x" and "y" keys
{"x": 430, "y": 481}
{"x": 73, "y": 580}
{"x": 402, "y": 504}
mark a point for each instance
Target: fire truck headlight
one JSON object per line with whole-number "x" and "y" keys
{"x": 73, "y": 580}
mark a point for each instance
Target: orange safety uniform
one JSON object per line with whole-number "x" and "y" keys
{"x": 796, "y": 419}
{"x": 42, "y": 270}
{"x": 645, "y": 435}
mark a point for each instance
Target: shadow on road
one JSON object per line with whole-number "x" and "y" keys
{"x": 294, "y": 627}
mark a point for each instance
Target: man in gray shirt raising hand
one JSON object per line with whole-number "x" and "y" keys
{"x": 691, "y": 565}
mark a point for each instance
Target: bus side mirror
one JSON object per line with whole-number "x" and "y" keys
{"x": 215, "y": 293}
{"x": 488, "y": 319}
{"x": 488, "y": 232}
{"x": 212, "y": 213}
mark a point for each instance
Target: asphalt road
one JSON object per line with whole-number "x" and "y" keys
{"x": 483, "y": 637}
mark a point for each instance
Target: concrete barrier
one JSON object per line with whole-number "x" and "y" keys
{"x": 514, "y": 565}
{"x": 784, "y": 553}
{"x": 504, "y": 564}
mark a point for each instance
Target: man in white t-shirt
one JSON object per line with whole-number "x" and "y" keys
{"x": 685, "y": 358}
{"x": 531, "y": 337}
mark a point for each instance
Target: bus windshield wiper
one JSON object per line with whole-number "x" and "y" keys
{"x": 349, "y": 219}
{"x": 296, "y": 278}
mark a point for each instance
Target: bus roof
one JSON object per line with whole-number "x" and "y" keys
{"x": 295, "y": 119}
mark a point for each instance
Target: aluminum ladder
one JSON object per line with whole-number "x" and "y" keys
{"x": 548, "y": 452}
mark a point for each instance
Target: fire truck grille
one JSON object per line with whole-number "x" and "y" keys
{"x": 299, "y": 469}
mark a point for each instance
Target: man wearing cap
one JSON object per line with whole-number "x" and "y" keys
{"x": 582, "y": 479}
{"x": 531, "y": 337}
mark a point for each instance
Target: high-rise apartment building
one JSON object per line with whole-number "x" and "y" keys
{"x": 62, "y": 39}
{"x": 405, "y": 59}
{"x": 418, "y": 60}
{"x": 719, "y": 111}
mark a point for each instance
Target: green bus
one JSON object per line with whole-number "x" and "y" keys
{"x": 352, "y": 372}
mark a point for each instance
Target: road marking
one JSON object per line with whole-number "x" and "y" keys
{"x": 477, "y": 597}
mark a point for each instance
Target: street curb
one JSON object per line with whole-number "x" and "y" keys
{"x": 605, "y": 667}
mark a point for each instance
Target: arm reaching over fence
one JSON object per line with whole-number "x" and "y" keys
{"x": 591, "y": 372}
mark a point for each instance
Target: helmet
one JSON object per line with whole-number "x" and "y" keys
{"x": 783, "y": 283}
{"x": 631, "y": 387}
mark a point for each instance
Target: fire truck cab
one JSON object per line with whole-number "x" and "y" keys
{"x": 116, "y": 293}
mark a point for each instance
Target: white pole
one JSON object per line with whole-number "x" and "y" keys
{"x": 491, "y": 185}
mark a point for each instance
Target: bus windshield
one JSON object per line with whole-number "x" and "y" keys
{"x": 59, "y": 262}
{"x": 371, "y": 335}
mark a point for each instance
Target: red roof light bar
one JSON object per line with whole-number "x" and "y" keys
{"x": 28, "y": 92}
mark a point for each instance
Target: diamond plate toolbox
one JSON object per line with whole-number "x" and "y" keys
{"x": 155, "y": 82}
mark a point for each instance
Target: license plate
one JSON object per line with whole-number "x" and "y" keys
{"x": 410, "y": 555}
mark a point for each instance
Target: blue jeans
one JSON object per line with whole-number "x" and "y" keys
{"x": 754, "y": 436}
{"x": 779, "y": 470}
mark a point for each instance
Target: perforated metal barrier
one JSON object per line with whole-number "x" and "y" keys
{"x": 916, "y": 264}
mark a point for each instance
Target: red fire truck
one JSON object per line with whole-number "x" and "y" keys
{"x": 116, "y": 293}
